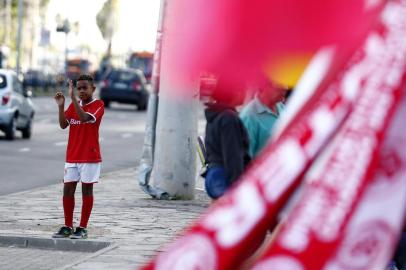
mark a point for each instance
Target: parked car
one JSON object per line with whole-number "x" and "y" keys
{"x": 16, "y": 108}
{"x": 34, "y": 79}
{"x": 125, "y": 86}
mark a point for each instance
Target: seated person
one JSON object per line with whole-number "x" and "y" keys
{"x": 226, "y": 139}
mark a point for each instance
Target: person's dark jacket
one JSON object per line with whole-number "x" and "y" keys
{"x": 226, "y": 140}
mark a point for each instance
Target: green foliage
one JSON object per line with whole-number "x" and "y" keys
{"x": 44, "y": 3}
{"x": 14, "y": 20}
{"x": 106, "y": 19}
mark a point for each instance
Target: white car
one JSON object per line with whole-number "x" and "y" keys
{"x": 16, "y": 108}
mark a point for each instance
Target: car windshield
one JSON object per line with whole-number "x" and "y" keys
{"x": 145, "y": 64}
{"x": 124, "y": 76}
{"x": 32, "y": 74}
{"x": 3, "y": 81}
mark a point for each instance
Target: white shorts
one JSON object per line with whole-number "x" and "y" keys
{"x": 84, "y": 172}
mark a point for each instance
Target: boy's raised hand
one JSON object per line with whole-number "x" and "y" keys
{"x": 59, "y": 98}
{"x": 71, "y": 93}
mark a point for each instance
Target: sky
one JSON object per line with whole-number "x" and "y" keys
{"x": 138, "y": 22}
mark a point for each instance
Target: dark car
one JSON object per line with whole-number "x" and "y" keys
{"x": 125, "y": 86}
{"x": 35, "y": 79}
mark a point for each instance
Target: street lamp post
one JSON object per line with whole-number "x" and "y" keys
{"x": 64, "y": 27}
{"x": 19, "y": 33}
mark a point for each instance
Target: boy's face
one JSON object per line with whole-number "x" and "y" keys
{"x": 85, "y": 90}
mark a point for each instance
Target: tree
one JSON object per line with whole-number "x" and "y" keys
{"x": 8, "y": 31}
{"x": 107, "y": 21}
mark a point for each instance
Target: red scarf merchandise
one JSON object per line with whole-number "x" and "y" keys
{"x": 316, "y": 235}
{"x": 220, "y": 239}
{"x": 315, "y": 228}
{"x": 373, "y": 231}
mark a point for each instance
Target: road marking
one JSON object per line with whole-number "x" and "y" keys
{"x": 139, "y": 127}
{"x": 60, "y": 143}
{"x": 25, "y": 149}
{"x": 126, "y": 135}
{"x": 44, "y": 121}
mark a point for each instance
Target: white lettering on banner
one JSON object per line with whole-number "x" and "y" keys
{"x": 394, "y": 14}
{"x": 233, "y": 222}
{"x": 375, "y": 46}
{"x": 195, "y": 251}
{"x": 321, "y": 122}
{"x": 327, "y": 201}
{"x": 341, "y": 166}
{"x": 375, "y": 53}
{"x": 372, "y": 233}
{"x": 288, "y": 162}
{"x": 331, "y": 195}
{"x": 345, "y": 188}
{"x": 383, "y": 102}
{"x": 363, "y": 246}
{"x": 366, "y": 119}
{"x": 280, "y": 263}
{"x": 377, "y": 50}
{"x": 351, "y": 83}
{"x": 295, "y": 235}
{"x": 394, "y": 75}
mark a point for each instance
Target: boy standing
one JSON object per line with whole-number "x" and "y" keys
{"x": 83, "y": 159}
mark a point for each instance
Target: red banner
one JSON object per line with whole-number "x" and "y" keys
{"x": 314, "y": 229}
{"x": 373, "y": 232}
{"x": 228, "y": 233}
{"x": 240, "y": 39}
{"x": 334, "y": 226}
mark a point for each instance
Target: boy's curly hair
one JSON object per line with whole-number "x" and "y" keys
{"x": 85, "y": 77}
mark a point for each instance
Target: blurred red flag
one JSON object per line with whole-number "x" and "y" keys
{"x": 223, "y": 236}
{"x": 241, "y": 39}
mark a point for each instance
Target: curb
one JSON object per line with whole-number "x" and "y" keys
{"x": 54, "y": 243}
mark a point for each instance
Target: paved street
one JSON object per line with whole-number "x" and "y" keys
{"x": 138, "y": 226}
{"x": 122, "y": 213}
{"x": 26, "y": 164}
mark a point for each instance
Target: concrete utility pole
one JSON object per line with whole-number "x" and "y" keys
{"x": 147, "y": 158}
{"x": 64, "y": 27}
{"x": 34, "y": 33}
{"x": 19, "y": 34}
{"x": 7, "y": 22}
{"x": 176, "y": 131}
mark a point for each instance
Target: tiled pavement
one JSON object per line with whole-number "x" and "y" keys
{"x": 122, "y": 213}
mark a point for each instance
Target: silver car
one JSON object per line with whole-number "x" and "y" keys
{"x": 16, "y": 107}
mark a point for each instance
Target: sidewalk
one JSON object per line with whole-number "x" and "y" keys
{"x": 138, "y": 225}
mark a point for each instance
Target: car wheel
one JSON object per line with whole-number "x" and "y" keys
{"x": 106, "y": 103}
{"x": 11, "y": 129}
{"x": 142, "y": 106}
{"x": 143, "y": 103}
{"x": 27, "y": 130}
